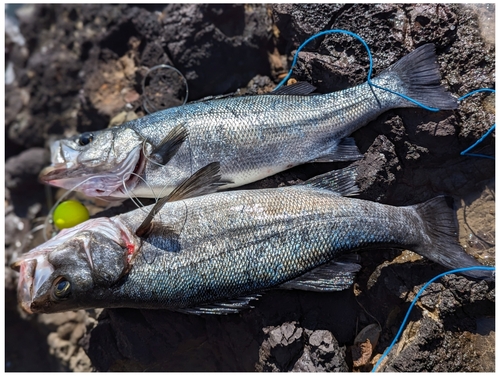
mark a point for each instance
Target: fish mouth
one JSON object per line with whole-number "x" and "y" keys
{"x": 35, "y": 269}
{"x": 105, "y": 180}
{"x": 33, "y": 272}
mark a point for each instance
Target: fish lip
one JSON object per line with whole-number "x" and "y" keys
{"x": 34, "y": 270}
{"x": 106, "y": 183}
{"x": 52, "y": 173}
{"x": 25, "y": 284}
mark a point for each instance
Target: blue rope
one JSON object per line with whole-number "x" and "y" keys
{"x": 415, "y": 301}
{"x": 466, "y": 151}
{"x": 476, "y": 91}
{"x": 369, "y": 80}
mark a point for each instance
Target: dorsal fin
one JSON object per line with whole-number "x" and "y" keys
{"x": 298, "y": 88}
{"x": 205, "y": 180}
{"x": 170, "y": 145}
{"x": 341, "y": 181}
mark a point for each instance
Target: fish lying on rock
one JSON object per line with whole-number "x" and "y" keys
{"x": 213, "y": 253}
{"x": 252, "y": 137}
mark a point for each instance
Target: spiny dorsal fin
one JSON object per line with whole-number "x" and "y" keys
{"x": 298, "y": 88}
{"x": 205, "y": 180}
{"x": 170, "y": 145}
{"x": 341, "y": 181}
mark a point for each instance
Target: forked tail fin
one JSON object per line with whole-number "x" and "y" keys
{"x": 442, "y": 229}
{"x": 419, "y": 73}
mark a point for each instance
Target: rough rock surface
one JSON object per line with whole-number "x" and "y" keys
{"x": 75, "y": 68}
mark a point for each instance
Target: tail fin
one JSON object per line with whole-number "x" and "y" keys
{"x": 442, "y": 229}
{"x": 420, "y": 76}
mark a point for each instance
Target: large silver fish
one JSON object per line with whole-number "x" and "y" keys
{"x": 213, "y": 253}
{"x": 252, "y": 137}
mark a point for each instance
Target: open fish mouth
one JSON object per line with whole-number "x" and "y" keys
{"x": 98, "y": 181}
{"x": 35, "y": 268}
{"x": 33, "y": 273}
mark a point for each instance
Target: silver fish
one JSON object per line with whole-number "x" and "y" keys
{"x": 252, "y": 137}
{"x": 215, "y": 253}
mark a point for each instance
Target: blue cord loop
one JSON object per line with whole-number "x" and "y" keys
{"x": 369, "y": 79}
{"x": 466, "y": 151}
{"x": 415, "y": 301}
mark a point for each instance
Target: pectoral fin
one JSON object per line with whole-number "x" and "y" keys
{"x": 333, "y": 276}
{"x": 205, "y": 180}
{"x": 170, "y": 145}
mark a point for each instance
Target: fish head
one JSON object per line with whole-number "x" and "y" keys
{"x": 99, "y": 164}
{"x": 75, "y": 269}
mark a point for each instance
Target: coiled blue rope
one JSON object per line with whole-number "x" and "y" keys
{"x": 490, "y": 268}
{"x": 466, "y": 151}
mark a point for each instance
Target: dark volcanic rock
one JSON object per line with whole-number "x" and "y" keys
{"x": 21, "y": 171}
{"x": 82, "y": 65}
{"x": 219, "y": 48}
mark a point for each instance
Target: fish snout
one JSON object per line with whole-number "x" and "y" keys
{"x": 51, "y": 174}
{"x": 27, "y": 270}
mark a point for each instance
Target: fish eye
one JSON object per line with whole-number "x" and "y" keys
{"x": 85, "y": 138}
{"x": 62, "y": 288}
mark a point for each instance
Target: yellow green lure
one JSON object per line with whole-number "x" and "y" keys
{"x": 70, "y": 213}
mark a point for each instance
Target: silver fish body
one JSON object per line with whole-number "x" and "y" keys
{"x": 213, "y": 253}
{"x": 252, "y": 137}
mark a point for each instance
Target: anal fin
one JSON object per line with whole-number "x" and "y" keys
{"x": 346, "y": 150}
{"x": 222, "y": 308}
{"x": 333, "y": 276}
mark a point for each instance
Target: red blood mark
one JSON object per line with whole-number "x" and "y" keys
{"x": 130, "y": 249}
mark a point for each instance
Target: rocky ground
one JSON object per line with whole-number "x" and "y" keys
{"x": 76, "y": 68}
